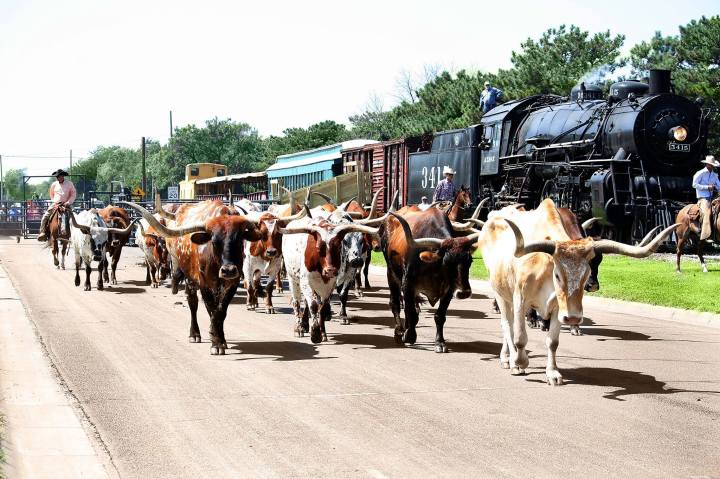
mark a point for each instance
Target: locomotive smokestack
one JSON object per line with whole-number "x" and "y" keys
{"x": 659, "y": 82}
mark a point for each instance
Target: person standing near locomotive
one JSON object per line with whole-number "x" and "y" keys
{"x": 445, "y": 190}
{"x": 489, "y": 97}
{"x": 706, "y": 182}
{"x": 62, "y": 192}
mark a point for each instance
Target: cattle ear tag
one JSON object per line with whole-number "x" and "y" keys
{"x": 429, "y": 257}
{"x": 201, "y": 237}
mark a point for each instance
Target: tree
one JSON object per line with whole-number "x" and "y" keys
{"x": 12, "y": 184}
{"x": 693, "y": 57}
{"x": 236, "y": 145}
{"x": 557, "y": 61}
{"x": 299, "y": 139}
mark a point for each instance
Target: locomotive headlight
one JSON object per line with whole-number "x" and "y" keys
{"x": 678, "y": 133}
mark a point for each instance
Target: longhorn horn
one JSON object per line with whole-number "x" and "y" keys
{"x": 291, "y": 199}
{"x": 373, "y": 203}
{"x": 521, "y": 249}
{"x": 284, "y": 220}
{"x": 296, "y": 230}
{"x": 163, "y": 230}
{"x": 356, "y": 227}
{"x": 467, "y": 226}
{"x": 614, "y": 247}
{"x": 85, "y": 229}
{"x": 649, "y": 236}
{"x": 238, "y": 207}
{"x": 344, "y": 206}
{"x": 307, "y": 195}
{"x": 325, "y": 197}
{"x": 587, "y": 224}
{"x": 231, "y": 198}
{"x": 478, "y": 222}
{"x": 119, "y": 231}
{"x": 480, "y": 206}
{"x": 160, "y": 210}
{"x": 431, "y": 243}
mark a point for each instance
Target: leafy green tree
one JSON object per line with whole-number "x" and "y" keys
{"x": 236, "y": 145}
{"x": 555, "y": 62}
{"x": 13, "y": 184}
{"x": 299, "y": 139}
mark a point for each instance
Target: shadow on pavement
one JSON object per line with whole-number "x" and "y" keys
{"x": 124, "y": 289}
{"x": 627, "y": 382}
{"x": 282, "y": 350}
{"x": 618, "y": 334}
{"x": 374, "y": 341}
{"x": 478, "y": 347}
{"x": 465, "y": 314}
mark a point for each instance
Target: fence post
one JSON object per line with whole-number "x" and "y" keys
{"x": 337, "y": 191}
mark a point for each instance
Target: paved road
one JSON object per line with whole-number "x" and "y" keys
{"x": 642, "y": 397}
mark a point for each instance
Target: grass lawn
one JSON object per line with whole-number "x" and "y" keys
{"x": 644, "y": 280}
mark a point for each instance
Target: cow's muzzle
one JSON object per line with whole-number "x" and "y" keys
{"x": 330, "y": 271}
{"x": 271, "y": 252}
{"x": 356, "y": 262}
{"x": 115, "y": 243}
{"x": 229, "y": 271}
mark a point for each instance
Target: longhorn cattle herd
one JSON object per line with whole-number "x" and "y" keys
{"x": 539, "y": 262}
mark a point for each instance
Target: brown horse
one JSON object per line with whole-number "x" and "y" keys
{"x": 690, "y": 219}
{"x": 460, "y": 203}
{"x": 59, "y": 231}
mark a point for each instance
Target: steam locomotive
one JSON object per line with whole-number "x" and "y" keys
{"x": 627, "y": 159}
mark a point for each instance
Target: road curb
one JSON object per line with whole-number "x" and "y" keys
{"x": 647, "y": 311}
{"x": 44, "y": 435}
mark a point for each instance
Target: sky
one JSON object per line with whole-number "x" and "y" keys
{"x": 76, "y": 74}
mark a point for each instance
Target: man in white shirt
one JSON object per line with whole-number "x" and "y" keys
{"x": 706, "y": 183}
{"x": 62, "y": 192}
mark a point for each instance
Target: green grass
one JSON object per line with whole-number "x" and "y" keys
{"x": 644, "y": 281}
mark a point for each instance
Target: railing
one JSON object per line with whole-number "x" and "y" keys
{"x": 256, "y": 196}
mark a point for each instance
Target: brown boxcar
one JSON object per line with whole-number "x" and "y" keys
{"x": 387, "y": 165}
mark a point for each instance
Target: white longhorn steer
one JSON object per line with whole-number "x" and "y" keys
{"x": 544, "y": 274}
{"x": 88, "y": 236}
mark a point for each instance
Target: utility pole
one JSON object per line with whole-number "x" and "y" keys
{"x": 144, "y": 178}
{"x": 171, "y": 128}
{"x": 2, "y": 180}
{"x": 71, "y": 161}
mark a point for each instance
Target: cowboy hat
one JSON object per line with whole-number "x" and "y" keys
{"x": 710, "y": 160}
{"x": 448, "y": 171}
{"x": 59, "y": 172}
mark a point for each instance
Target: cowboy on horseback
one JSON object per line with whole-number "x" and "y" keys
{"x": 62, "y": 193}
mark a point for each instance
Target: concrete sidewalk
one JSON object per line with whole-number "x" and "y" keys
{"x": 43, "y": 435}
{"x": 649, "y": 311}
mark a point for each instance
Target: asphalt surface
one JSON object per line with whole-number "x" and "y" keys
{"x": 641, "y": 399}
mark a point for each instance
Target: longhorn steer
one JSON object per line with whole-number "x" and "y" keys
{"x": 114, "y": 217}
{"x": 547, "y": 275}
{"x": 154, "y": 248}
{"x": 207, "y": 241}
{"x": 264, "y": 256}
{"x": 88, "y": 236}
{"x": 312, "y": 256}
{"x": 435, "y": 266}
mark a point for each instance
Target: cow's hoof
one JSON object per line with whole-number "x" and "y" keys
{"x": 250, "y": 307}
{"x": 195, "y": 339}
{"x": 441, "y": 348}
{"x": 155, "y": 285}
{"x": 77, "y": 281}
{"x": 554, "y": 378}
{"x": 409, "y": 337}
{"x": 106, "y": 278}
{"x": 56, "y": 262}
{"x": 217, "y": 350}
{"x": 344, "y": 320}
{"x": 299, "y": 331}
{"x": 87, "y": 287}
{"x": 575, "y": 331}
{"x": 100, "y": 287}
{"x": 270, "y": 310}
{"x": 324, "y": 337}
{"x": 398, "y": 336}
{"x": 359, "y": 294}
{"x": 114, "y": 282}
{"x": 516, "y": 371}
{"x": 315, "y": 333}
{"x": 63, "y": 267}
{"x": 505, "y": 364}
